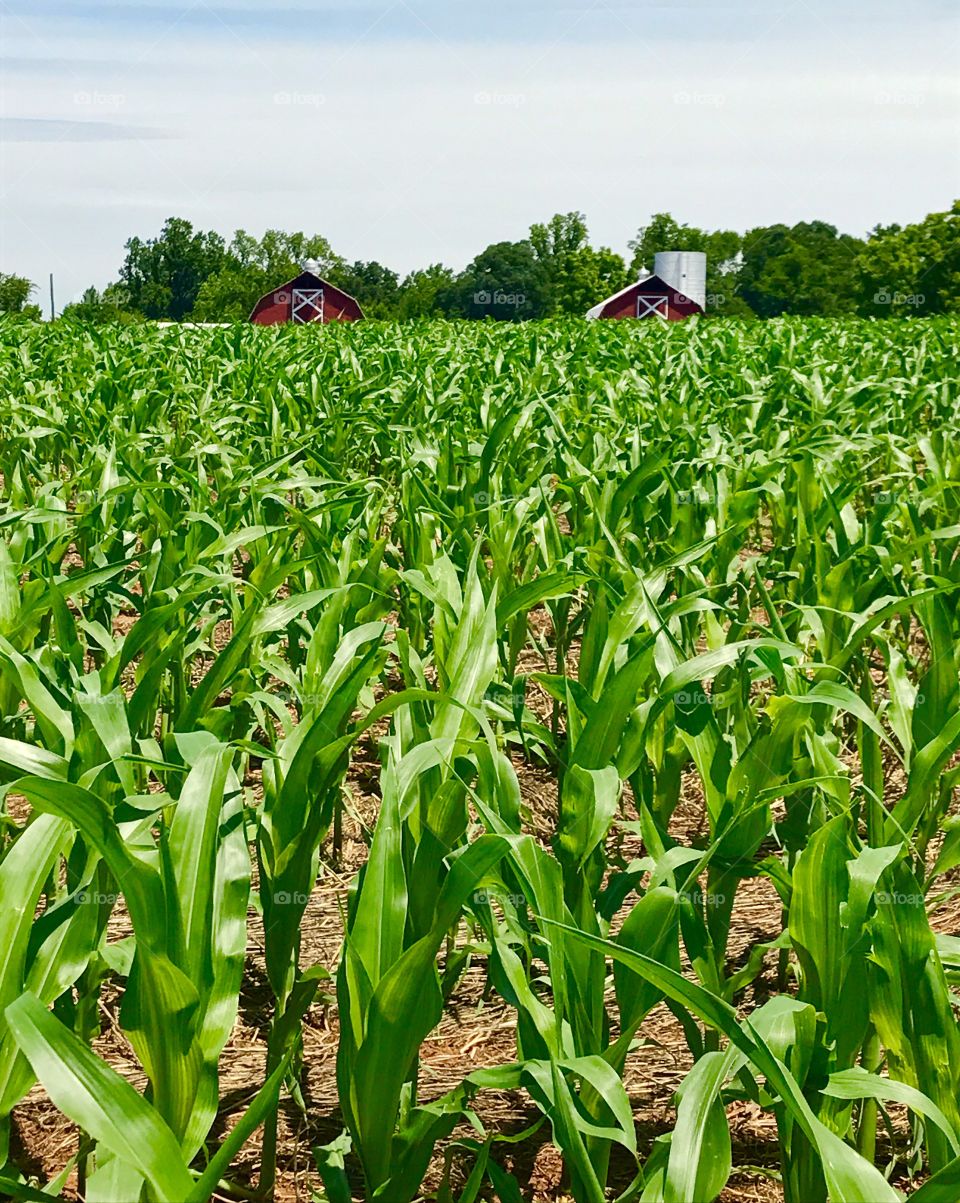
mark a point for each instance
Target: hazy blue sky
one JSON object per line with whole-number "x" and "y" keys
{"x": 419, "y": 131}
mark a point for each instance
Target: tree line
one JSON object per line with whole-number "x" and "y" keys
{"x": 186, "y": 274}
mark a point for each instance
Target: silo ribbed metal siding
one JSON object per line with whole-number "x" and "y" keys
{"x": 686, "y": 271}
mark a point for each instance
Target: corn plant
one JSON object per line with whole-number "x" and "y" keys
{"x": 638, "y": 617}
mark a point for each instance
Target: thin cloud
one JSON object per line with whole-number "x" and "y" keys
{"x": 43, "y": 129}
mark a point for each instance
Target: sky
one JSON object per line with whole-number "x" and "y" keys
{"x": 420, "y": 131}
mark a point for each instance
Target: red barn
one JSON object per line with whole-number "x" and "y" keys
{"x": 306, "y": 298}
{"x": 650, "y": 297}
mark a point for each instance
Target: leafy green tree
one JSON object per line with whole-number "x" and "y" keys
{"x": 420, "y": 291}
{"x": 252, "y": 267}
{"x": 579, "y": 275}
{"x": 230, "y": 294}
{"x": 912, "y": 269}
{"x": 662, "y": 233}
{"x": 804, "y": 269}
{"x": 163, "y": 275}
{"x": 15, "y": 294}
{"x": 281, "y": 255}
{"x": 506, "y": 282}
{"x": 376, "y": 287}
{"x": 99, "y": 308}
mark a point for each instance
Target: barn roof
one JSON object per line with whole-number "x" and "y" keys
{"x": 645, "y": 283}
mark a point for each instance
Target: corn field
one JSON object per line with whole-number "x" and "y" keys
{"x": 598, "y": 682}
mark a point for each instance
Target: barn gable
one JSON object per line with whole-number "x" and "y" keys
{"x": 306, "y": 298}
{"x": 649, "y": 297}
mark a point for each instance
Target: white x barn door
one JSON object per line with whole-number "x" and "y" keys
{"x": 308, "y": 305}
{"x": 657, "y": 305}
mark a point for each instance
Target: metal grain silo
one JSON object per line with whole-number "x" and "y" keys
{"x": 686, "y": 271}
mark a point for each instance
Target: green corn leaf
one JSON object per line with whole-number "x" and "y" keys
{"x": 99, "y": 1100}
{"x": 851, "y": 1179}
{"x": 700, "y": 1153}
{"x": 857, "y": 1083}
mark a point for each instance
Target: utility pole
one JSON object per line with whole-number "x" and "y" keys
{"x": 53, "y": 309}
